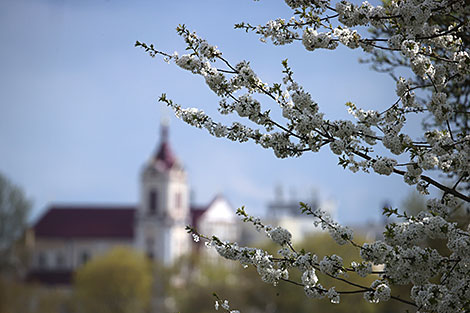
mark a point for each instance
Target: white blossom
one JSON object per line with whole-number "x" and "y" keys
{"x": 333, "y": 295}
{"x": 280, "y": 235}
{"x": 384, "y": 166}
{"x": 436, "y": 56}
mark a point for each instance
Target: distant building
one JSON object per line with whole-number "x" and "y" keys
{"x": 66, "y": 237}
{"x": 218, "y": 219}
{"x": 286, "y": 212}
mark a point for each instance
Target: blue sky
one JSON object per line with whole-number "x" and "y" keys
{"x": 79, "y": 116}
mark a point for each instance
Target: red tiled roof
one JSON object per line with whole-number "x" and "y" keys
{"x": 86, "y": 222}
{"x": 196, "y": 213}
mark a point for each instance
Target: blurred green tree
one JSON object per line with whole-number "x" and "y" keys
{"x": 15, "y": 295}
{"x": 14, "y": 209}
{"x": 20, "y": 297}
{"x": 118, "y": 282}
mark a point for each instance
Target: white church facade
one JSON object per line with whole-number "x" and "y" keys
{"x": 65, "y": 237}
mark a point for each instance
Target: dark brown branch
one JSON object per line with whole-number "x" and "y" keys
{"x": 443, "y": 33}
{"x": 423, "y": 177}
{"x": 458, "y": 181}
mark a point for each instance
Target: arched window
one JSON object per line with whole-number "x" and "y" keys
{"x": 153, "y": 202}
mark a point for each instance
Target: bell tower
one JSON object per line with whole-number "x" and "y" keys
{"x": 163, "y": 210}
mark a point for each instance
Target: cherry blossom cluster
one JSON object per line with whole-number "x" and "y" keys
{"x": 404, "y": 261}
{"x": 224, "y": 305}
{"x": 371, "y": 140}
{"x": 275, "y": 268}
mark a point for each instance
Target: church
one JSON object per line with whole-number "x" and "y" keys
{"x": 67, "y": 236}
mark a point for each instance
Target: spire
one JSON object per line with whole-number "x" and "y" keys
{"x": 164, "y": 128}
{"x": 164, "y": 156}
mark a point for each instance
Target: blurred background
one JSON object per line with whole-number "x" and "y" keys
{"x": 85, "y": 147}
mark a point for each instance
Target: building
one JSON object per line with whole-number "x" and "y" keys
{"x": 286, "y": 212}
{"x": 66, "y": 237}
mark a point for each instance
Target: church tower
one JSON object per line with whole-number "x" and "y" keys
{"x": 163, "y": 210}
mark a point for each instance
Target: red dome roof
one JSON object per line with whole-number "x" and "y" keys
{"x": 165, "y": 155}
{"x": 164, "y": 158}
